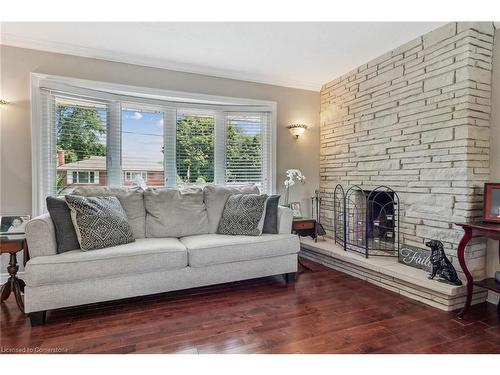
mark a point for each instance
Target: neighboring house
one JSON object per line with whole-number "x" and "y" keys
{"x": 92, "y": 171}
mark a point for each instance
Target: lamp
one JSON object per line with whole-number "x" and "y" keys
{"x": 297, "y": 129}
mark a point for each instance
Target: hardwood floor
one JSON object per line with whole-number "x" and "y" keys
{"x": 324, "y": 311}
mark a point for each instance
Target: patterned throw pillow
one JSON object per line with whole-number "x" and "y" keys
{"x": 243, "y": 215}
{"x": 99, "y": 221}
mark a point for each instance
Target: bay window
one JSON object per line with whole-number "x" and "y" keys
{"x": 90, "y": 135}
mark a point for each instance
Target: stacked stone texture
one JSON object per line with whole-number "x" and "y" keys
{"x": 417, "y": 120}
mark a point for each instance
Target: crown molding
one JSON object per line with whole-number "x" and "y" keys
{"x": 101, "y": 54}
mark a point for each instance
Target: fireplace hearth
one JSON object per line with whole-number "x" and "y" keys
{"x": 367, "y": 221}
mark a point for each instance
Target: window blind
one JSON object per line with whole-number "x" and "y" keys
{"x": 81, "y": 143}
{"x": 143, "y": 145}
{"x": 195, "y": 141}
{"x": 85, "y": 138}
{"x": 246, "y": 139}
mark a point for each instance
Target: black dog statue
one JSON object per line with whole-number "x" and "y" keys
{"x": 441, "y": 265}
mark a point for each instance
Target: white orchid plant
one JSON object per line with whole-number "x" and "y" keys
{"x": 292, "y": 176}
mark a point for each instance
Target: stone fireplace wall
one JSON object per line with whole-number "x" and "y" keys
{"x": 417, "y": 120}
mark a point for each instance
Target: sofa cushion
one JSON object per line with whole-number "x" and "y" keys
{"x": 143, "y": 255}
{"x": 210, "y": 249}
{"x": 65, "y": 231}
{"x": 172, "y": 212}
{"x": 132, "y": 201}
{"x": 215, "y": 197}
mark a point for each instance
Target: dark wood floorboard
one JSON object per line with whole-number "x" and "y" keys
{"x": 324, "y": 311}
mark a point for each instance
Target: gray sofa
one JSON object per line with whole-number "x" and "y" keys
{"x": 150, "y": 265}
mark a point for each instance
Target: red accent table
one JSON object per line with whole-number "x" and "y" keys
{"x": 472, "y": 230}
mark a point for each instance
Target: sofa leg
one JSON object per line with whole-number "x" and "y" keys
{"x": 289, "y": 277}
{"x": 37, "y": 318}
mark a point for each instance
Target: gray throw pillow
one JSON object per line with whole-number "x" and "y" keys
{"x": 243, "y": 215}
{"x": 65, "y": 231}
{"x": 271, "y": 218}
{"x": 99, "y": 221}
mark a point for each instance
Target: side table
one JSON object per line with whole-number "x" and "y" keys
{"x": 13, "y": 244}
{"x": 305, "y": 227}
{"x": 472, "y": 230}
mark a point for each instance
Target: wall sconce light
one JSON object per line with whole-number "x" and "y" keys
{"x": 2, "y": 102}
{"x": 297, "y": 129}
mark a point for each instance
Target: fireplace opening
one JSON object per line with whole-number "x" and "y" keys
{"x": 367, "y": 221}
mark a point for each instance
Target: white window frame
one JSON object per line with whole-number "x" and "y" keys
{"x": 166, "y": 101}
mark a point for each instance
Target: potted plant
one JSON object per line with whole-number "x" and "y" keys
{"x": 292, "y": 176}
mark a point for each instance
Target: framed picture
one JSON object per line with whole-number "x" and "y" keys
{"x": 13, "y": 224}
{"x": 297, "y": 212}
{"x": 492, "y": 202}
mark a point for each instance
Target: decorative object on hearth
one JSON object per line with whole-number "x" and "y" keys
{"x": 367, "y": 221}
{"x": 492, "y": 202}
{"x": 297, "y": 129}
{"x": 415, "y": 257}
{"x": 441, "y": 265}
{"x": 292, "y": 175}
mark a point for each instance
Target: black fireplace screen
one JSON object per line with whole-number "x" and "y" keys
{"x": 367, "y": 221}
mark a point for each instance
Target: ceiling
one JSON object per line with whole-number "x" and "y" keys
{"x": 293, "y": 54}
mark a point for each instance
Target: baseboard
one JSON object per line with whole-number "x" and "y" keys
{"x": 493, "y": 297}
{"x": 4, "y": 276}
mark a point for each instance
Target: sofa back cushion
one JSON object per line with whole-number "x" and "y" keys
{"x": 172, "y": 212}
{"x": 132, "y": 201}
{"x": 215, "y": 197}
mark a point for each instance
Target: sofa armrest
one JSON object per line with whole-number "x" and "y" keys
{"x": 285, "y": 218}
{"x": 41, "y": 236}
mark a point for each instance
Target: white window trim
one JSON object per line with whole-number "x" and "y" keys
{"x": 167, "y": 101}
{"x": 143, "y": 173}
{"x": 71, "y": 180}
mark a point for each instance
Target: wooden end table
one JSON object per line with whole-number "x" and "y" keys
{"x": 305, "y": 227}
{"x": 472, "y": 230}
{"x": 12, "y": 244}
